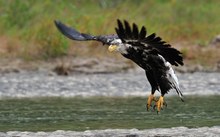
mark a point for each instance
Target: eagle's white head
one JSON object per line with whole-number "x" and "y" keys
{"x": 117, "y": 45}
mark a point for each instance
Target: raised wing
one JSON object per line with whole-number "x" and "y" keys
{"x": 75, "y": 35}
{"x": 136, "y": 38}
{"x": 72, "y": 33}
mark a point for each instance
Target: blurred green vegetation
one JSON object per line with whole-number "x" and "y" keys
{"x": 29, "y": 25}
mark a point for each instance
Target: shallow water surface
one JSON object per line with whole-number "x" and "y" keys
{"x": 49, "y": 114}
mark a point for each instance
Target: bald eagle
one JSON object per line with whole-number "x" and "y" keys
{"x": 149, "y": 52}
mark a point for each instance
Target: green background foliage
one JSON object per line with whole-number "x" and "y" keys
{"x": 31, "y": 23}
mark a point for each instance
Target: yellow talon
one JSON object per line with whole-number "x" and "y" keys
{"x": 151, "y": 98}
{"x": 160, "y": 104}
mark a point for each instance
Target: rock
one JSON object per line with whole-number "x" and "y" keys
{"x": 4, "y": 70}
{"x": 215, "y": 42}
{"x": 62, "y": 70}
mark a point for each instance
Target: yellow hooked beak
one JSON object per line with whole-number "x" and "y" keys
{"x": 112, "y": 48}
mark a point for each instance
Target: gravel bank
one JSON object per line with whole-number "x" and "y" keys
{"x": 134, "y": 83}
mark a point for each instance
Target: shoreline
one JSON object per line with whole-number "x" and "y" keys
{"x": 69, "y": 66}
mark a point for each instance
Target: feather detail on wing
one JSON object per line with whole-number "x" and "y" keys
{"x": 75, "y": 35}
{"x": 173, "y": 80}
{"x": 135, "y": 38}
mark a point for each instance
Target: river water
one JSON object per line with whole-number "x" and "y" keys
{"x": 134, "y": 83}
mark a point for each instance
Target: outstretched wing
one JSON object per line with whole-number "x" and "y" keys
{"x": 136, "y": 38}
{"x": 72, "y": 33}
{"x": 75, "y": 35}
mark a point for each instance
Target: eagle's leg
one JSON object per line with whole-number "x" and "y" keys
{"x": 150, "y": 99}
{"x": 160, "y": 103}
